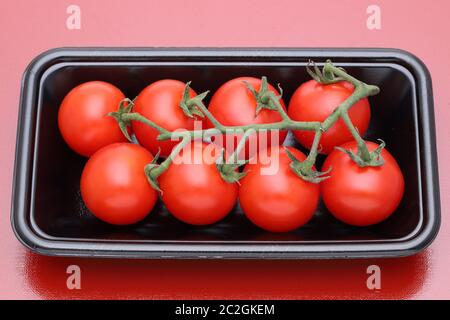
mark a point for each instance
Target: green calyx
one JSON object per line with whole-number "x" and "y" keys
{"x": 152, "y": 172}
{"x": 265, "y": 99}
{"x": 190, "y": 105}
{"x": 326, "y": 76}
{"x": 304, "y": 169}
{"x": 363, "y": 157}
{"x": 229, "y": 171}
{"x": 152, "y": 178}
{"x": 125, "y": 107}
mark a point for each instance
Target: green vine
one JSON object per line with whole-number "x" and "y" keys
{"x": 265, "y": 99}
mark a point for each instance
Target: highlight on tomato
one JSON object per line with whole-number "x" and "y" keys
{"x": 246, "y": 101}
{"x": 362, "y": 196}
{"x": 315, "y": 101}
{"x": 193, "y": 189}
{"x": 83, "y": 117}
{"x": 114, "y": 186}
{"x": 169, "y": 104}
{"x": 273, "y": 196}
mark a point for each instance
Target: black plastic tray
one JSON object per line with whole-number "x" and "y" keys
{"x": 48, "y": 215}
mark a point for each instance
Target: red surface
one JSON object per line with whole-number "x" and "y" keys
{"x": 28, "y": 28}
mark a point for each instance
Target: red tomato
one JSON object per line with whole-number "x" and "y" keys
{"x": 277, "y": 199}
{"x": 234, "y": 105}
{"x": 193, "y": 189}
{"x": 313, "y": 101}
{"x": 83, "y": 119}
{"x": 160, "y": 103}
{"x": 114, "y": 186}
{"x": 361, "y": 196}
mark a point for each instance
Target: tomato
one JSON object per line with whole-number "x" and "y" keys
{"x": 277, "y": 199}
{"x": 193, "y": 189}
{"x": 83, "y": 119}
{"x": 114, "y": 186}
{"x": 234, "y": 105}
{"x": 313, "y": 101}
{"x": 160, "y": 103}
{"x": 361, "y": 196}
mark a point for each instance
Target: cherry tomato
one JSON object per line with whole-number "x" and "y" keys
{"x": 313, "y": 101}
{"x": 114, "y": 186}
{"x": 234, "y": 105}
{"x": 273, "y": 197}
{"x": 193, "y": 189}
{"x": 361, "y": 196}
{"x": 160, "y": 103}
{"x": 83, "y": 119}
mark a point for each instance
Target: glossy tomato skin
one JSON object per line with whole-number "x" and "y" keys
{"x": 83, "y": 120}
{"x": 114, "y": 186}
{"x": 313, "y": 101}
{"x": 234, "y": 105}
{"x": 361, "y": 196}
{"x": 280, "y": 201}
{"x": 160, "y": 103}
{"x": 193, "y": 189}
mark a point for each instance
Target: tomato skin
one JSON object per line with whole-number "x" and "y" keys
{"x": 83, "y": 120}
{"x": 114, "y": 186}
{"x": 313, "y": 101}
{"x": 234, "y": 105}
{"x": 361, "y": 196}
{"x": 160, "y": 103}
{"x": 195, "y": 192}
{"x": 279, "y": 202}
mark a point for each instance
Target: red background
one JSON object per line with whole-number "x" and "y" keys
{"x": 30, "y": 27}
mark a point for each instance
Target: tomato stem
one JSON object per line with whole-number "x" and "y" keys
{"x": 365, "y": 154}
{"x": 363, "y": 157}
{"x": 265, "y": 99}
{"x": 154, "y": 170}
